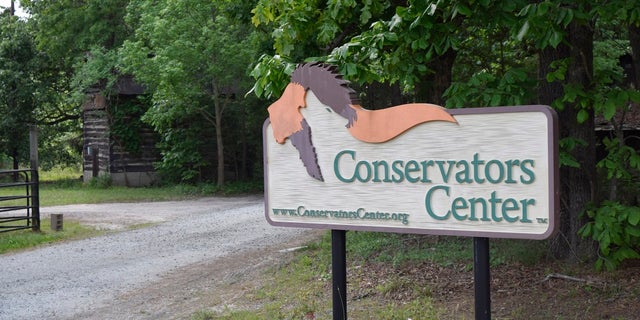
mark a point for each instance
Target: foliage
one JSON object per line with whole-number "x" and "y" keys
{"x": 615, "y": 223}
{"x": 486, "y": 89}
{"x": 62, "y": 34}
{"x": 616, "y": 227}
{"x": 80, "y": 37}
{"x": 182, "y": 153}
{"x": 18, "y": 80}
{"x": 622, "y": 162}
{"x": 126, "y": 122}
{"x": 193, "y": 57}
{"x": 307, "y": 31}
{"x": 60, "y": 145}
{"x": 102, "y": 181}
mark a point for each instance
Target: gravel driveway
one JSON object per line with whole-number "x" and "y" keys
{"x": 167, "y": 269}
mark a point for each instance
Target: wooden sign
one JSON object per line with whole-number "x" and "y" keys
{"x": 415, "y": 168}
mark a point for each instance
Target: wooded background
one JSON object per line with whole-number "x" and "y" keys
{"x": 210, "y": 68}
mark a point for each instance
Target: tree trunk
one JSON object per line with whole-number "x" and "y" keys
{"x": 16, "y": 163}
{"x": 219, "y": 146}
{"x": 243, "y": 143}
{"x": 634, "y": 41}
{"x": 577, "y": 185}
{"x": 220, "y": 150}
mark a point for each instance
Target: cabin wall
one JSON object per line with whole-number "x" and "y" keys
{"x": 104, "y": 155}
{"x": 95, "y": 132}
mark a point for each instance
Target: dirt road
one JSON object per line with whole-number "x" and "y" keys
{"x": 167, "y": 269}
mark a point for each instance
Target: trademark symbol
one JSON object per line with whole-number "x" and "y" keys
{"x": 542, "y": 220}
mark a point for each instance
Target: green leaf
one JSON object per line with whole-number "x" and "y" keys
{"x": 609, "y": 110}
{"x": 555, "y": 39}
{"x": 633, "y": 231}
{"x": 622, "y": 98}
{"x": 599, "y": 263}
{"x": 583, "y": 115}
{"x": 568, "y": 18}
{"x": 634, "y": 161}
{"x": 351, "y": 69}
{"x": 395, "y": 21}
{"x": 523, "y": 31}
{"x": 634, "y": 216}
{"x": 391, "y": 36}
{"x": 495, "y": 100}
{"x": 464, "y": 10}
{"x": 543, "y": 8}
{"x": 585, "y": 231}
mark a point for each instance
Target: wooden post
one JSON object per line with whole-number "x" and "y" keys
{"x": 95, "y": 163}
{"x": 35, "y": 180}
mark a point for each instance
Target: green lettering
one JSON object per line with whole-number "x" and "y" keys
{"x": 487, "y": 171}
{"x": 425, "y": 165}
{"x": 510, "y": 165}
{"x": 525, "y": 203}
{"x": 427, "y": 203}
{"x": 457, "y": 204}
{"x": 472, "y": 203}
{"x": 463, "y": 176}
{"x": 494, "y": 201}
{"x": 398, "y": 173}
{"x": 476, "y": 168}
{"x": 336, "y": 165}
{"x": 527, "y": 171}
{"x": 376, "y": 166}
{"x": 367, "y": 167}
{"x": 410, "y": 167}
{"x": 509, "y": 205}
{"x": 445, "y": 175}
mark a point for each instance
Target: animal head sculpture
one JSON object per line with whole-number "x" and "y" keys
{"x": 369, "y": 126}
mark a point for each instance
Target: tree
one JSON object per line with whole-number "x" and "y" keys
{"x": 77, "y": 42}
{"x": 18, "y": 66}
{"x": 81, "y": 37}
{"x": 309, "y": 30}
{"x": 193, "y": 58}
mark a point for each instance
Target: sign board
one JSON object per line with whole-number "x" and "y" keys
{"x": 416, "y": 168}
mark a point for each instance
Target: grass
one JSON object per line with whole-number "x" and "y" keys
{"x": 402, "y": 248}
{"x": 18, "y": 240}
{"x": 62, "y": 186}
{"x": 54, "y": 194}
{"x": 75, "y": 192}
{"x": 301, "y": 288}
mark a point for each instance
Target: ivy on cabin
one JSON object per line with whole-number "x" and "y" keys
{"x": 126, "y": 123}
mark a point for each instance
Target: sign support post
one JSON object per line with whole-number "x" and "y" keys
{"x": 482, "y": 278}
{"x": 339, "y": 273}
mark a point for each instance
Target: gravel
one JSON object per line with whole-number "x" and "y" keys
{"x": 100, "y": 277}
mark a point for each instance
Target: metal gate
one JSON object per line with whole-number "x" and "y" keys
{"x": 19, "y": 200}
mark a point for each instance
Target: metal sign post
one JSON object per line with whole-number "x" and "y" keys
{"x": 482, "y": 278}
{"x": 339, "y": 272}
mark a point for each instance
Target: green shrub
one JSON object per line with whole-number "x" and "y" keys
{"x": 616, "y": 227}
{"x": 102, "y": 181}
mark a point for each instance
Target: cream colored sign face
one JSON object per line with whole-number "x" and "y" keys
{"x": 491, "y": 174}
